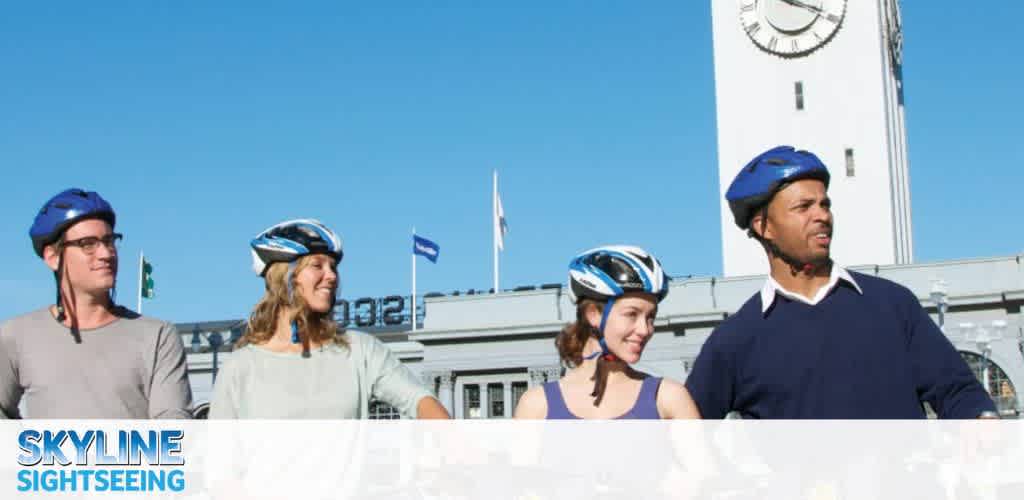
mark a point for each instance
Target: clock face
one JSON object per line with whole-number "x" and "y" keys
{"x": 791, "y": 28}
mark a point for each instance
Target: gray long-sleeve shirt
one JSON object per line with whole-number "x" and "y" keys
{"x": 131, "y": 368}
{"x": 334, "y": 382}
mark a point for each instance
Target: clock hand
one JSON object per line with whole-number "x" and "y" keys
{"x": 802, "y": 5}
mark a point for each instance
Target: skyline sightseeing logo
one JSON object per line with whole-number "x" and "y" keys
{"x": 97, "y": 461}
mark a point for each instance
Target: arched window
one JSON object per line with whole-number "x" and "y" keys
{"x": 998, "y": 384}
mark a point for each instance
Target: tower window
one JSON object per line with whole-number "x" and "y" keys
{"x": 798, "y": 88}
{"x": 849, "y": 162}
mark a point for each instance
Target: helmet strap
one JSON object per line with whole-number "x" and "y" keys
{"x": 62, "y": 313}
{"x": 603, "y": 356}
{"x": 57, "y": 277}
{"x": 291, "y": 299}
{"x": 296, "y": 336}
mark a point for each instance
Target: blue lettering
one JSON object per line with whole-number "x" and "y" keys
{"x": 67, "y": 478}
{"x": 143, "y": 446}
{"x": 102, "y": 482}
{"x": 48, "y": 480}
{"x": 117, "y": 480}
{"x": 156, "y": 480}
{"x": 86, "y": 474}
{"x": 170, "y": 447}
{"x": 82, "y": 444}
{"x": 24, "y": 480}
{"x": 102, "y": 456}
{"x": 122, "y": 447}
{"x": 131, "y": 480}
{"x": 177, "y": 479}
{"x": 51, "y": 448}
{"x": 27, "y": 441}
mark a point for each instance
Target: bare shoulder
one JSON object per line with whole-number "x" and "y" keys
{"x": 674, "y": 401}
{"x": 532, "y": 404}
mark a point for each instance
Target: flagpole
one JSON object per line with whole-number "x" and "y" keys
{"x": 495, "y": 223}
{"x": 414, "y": 280}
{"x": 138, "y": 308}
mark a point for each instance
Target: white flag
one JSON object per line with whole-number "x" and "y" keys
{"x": 501, "y": 227}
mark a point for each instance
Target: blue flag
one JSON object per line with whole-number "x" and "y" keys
{"x": 426, "y": 248}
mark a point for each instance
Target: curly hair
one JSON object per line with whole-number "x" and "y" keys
{"x": 317, "y": 327}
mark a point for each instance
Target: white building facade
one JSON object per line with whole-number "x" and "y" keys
{"x": 824, "y": 76}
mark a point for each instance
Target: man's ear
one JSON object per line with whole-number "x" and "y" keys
{"x": 51, "y": 256}
{"x": 757, "y": 222}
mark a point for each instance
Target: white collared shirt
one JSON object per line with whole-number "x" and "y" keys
{"x": 772, "y": 287}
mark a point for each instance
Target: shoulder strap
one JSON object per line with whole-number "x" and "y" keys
{"x": 557, "y": 409}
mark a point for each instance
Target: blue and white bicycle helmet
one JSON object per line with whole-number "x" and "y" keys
{"x": 286, "y": 242}
{"x": 65, "y": 209}
{"x": 608, "y": 272}
{"x": 289, "y": 240}
{"x": 758, "y": 181}
{"x": 605, "y": 274}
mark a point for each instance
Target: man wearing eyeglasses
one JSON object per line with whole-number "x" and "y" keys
{"x": 84, "y": 356}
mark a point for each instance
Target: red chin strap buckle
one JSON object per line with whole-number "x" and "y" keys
{"x": 808, "y": 268}
{"x": 609, "y": 357}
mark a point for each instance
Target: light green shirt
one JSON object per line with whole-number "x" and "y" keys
{"x": 334, "y": 382}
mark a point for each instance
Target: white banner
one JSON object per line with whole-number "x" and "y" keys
{"x": 513, "y": 459}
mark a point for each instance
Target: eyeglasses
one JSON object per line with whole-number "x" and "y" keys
{"x": 89, "y": 244}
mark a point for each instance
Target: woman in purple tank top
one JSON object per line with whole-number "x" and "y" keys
{"x": 616, "y": 290}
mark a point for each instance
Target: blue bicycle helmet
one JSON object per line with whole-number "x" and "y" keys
{"x": 63, "y": 210}
{"x": 758, "y": 181}
{"x": 57, "y": 215}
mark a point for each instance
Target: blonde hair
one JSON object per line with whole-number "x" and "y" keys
{"x": 318, "y": 328}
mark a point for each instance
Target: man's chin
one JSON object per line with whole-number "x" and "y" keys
{"x": 821, "y": 260}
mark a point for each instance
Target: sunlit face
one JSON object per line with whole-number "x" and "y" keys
{"x": 800, "y": 221}
{"x": 629, "y": 326}
{"x": 316, "y": 281}
{"x": 89, "y": 266}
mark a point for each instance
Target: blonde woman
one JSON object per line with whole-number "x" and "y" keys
{"x": 293, "y": 361}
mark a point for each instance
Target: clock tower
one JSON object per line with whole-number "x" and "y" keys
{"x": 825, "y": 76}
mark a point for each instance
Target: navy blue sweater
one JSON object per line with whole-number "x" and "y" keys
{"x": 876, "y": 355}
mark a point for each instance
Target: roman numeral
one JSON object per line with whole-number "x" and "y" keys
{"x": 796, "y": 45}
{"x": 834, "y": 19}
{"x": 747, "y": 8}
{"x": 772, "y": 43}
{"x": 753, "y": 28}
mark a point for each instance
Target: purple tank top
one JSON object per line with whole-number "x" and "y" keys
{"x": 645, "y": 407}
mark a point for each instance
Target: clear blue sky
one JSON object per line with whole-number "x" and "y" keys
{"x": 205, "y": 124}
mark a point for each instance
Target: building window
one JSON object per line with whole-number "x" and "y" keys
{"x": 518, "y": 389}
{"x": 995, "y": 381}
{"x": 471, "y": 401}
{"x": 496, "y": 400}
{"x": 380, "y": 410}
{"x": 849, "y": 162}
{"x": 798, "y": 88}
